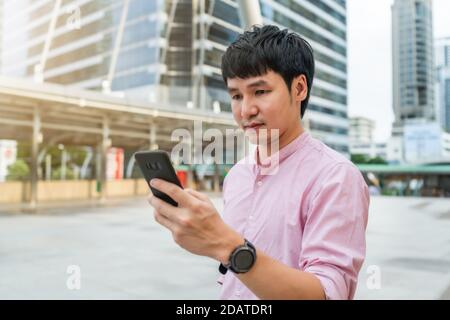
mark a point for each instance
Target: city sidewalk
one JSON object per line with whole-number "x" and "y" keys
{"x": 124, "y": 254}
{"x": 408, "y": 241}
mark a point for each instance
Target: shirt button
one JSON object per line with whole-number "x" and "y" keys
{"x": 259, "y": 183}
{"x": 238, "y": 294}
{"x": 251, "y": 217}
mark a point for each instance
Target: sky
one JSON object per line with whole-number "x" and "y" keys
{"x": 370, "y": 61}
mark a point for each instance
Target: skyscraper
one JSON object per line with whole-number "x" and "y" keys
{"x": 323, "y": 23}
{"x": 443, "y": 82}
{"x": 170, "y": 50}
{"x": 361, "y": 130}
{"x": 413, "y": 67}
{"x": 73, "y": 41}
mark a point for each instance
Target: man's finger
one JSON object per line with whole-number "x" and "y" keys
{"x": 172, "y": 190}
{"x": 196, "y": 194}
{"x": 167, "y": 210}
{"x": 162, "y": 220}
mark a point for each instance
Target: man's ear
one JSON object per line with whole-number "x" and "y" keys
{"x": 300, "y": 88}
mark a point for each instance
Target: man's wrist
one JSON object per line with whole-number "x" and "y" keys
{"x": 229, "y": 244}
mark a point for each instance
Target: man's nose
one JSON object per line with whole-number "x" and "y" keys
{"x": 248, "y": 108}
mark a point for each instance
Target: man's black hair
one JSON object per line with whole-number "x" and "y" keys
{"x": 266, "y": 48}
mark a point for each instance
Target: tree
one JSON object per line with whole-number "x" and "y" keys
{"x": 359, "y": 158}
{"x": 377, "y": 160}
{"x": 19, "y": 170}
{"x": 364, "y": 159}
{"x": 56, "y": 174}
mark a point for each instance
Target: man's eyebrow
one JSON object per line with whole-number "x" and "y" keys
{"x": 251, "y": 85}
{"x": 257, "y": 84}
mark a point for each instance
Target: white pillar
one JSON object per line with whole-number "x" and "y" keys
{"x": 36, "y": 140}
{"x": 250, "y": 13}
{"x": 48, "y": 167}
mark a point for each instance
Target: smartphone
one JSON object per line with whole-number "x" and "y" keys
{"x": 157, "y": 164}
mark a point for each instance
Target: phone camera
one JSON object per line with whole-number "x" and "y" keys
{"x": 153, "y": 166}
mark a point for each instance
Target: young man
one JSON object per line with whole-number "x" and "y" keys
{"x": 298, "y": 233}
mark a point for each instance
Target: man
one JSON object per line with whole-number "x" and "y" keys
{"x": 298, "y": 233}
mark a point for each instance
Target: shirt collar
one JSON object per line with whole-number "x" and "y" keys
{"x": 282, "y": 154}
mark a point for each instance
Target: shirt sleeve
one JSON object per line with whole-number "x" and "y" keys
{"x": 221, "y": 277}
{"x": 334, "y": 244}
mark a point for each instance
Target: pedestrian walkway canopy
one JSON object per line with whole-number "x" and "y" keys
{"x": 50, "y": 114}
{"x": 405, "y": 169}
{"x": 416, "y": 180}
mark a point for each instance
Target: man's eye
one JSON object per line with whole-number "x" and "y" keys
{"x": 259, "y": 92}
{"x": 236, "y": 97}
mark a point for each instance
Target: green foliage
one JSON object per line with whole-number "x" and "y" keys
{"x": 19, "y": 170}
{"x": 359, "y": 158}
{"x": 363, "y": 159}
{"x": 377, "y": 160}
{"x": 56, "y": 174}
{"x": 75, "y": 157}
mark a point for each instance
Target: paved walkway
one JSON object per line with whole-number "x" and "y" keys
{"x": 124, "y": 254}
{"x": 408, "y": 241}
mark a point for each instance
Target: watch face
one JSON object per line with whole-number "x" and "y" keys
{"x": 244, "y": 259}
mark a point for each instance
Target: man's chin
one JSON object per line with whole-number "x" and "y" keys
{"x": 260, "y": 136}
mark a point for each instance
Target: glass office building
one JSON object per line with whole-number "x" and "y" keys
{"x": 413, "y": 66}
{"x": 169, "y": 51}
{"x": 323, "y": 24}
{"x": 82, "y": 41}
{"x": 442, "y": 50}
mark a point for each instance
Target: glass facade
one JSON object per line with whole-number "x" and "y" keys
{"x": 413, "y": 71}
{"x": 322, "y": 23}
{"x": 447, "y": 105}
{"x": 82, "y": 44}
{"x": 442, "y": 50}
{"x": 171, "y": 50}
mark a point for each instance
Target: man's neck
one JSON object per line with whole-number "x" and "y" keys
{"x": 265, "y": 151}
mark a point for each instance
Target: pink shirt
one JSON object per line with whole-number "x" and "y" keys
{"x": 310, "y": 215}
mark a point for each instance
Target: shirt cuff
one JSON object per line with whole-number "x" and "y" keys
{"x": 332, "y": 281}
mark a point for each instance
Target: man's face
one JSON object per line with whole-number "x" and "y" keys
{"x": 265, "y": 102}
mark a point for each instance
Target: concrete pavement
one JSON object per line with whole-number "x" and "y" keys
{"x": 124, "y": 254}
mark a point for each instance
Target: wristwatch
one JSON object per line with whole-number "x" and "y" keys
{"x": 241, "y": 259}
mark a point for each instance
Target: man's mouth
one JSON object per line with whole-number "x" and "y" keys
{"x": 253, "y": 126}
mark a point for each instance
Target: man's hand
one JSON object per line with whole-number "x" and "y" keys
{"x": 195, "y": 224}
{"x": 197, "y": 227}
